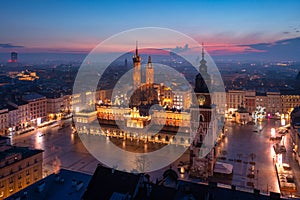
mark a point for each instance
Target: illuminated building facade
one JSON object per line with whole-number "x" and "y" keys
{"x": 27, "y": 76}
{"x": 3, "y": 120}
{"x": 289, "y": 100}
{"x": 196, "y": 118}
{"x": 58, "y": 105}
{"x": 22, "y": 118}
{"x": 37, "y": 107}
{"x": 273, "y": 102}
{"x": 19, "y": 167}
{"x": 295, "y": 132}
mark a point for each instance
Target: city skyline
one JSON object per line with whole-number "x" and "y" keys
{"x": 230, "y": 29}
{"x": 162, "y": 99}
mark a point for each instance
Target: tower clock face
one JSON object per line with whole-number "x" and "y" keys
{"x": 201, "y": 100}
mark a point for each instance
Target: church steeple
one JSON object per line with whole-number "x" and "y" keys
{"x": 202, "y": 80}
{"x": 136, "y": 49}
{"x": 136, "y": 68}
{"x": 203, "y": 67}
{"x": 136, "y": 57}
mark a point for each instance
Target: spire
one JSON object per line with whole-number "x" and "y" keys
{"x": 203, "y": 67}
{"x": 136, "y": 49}
{"x": 136, "y": 57}
{"x": 149, "y": 59}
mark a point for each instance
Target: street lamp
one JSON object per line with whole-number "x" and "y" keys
{"x": 282, "y": 122}
{"x": 182, "y": 170}
{"x": 273, "y": 133}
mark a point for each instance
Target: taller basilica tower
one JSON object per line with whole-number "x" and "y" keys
{"x": 136, "y": 69}
{"x": 144, "y": 94}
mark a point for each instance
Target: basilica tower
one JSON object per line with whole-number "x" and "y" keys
{"x": 136, "y": 69}
{"x": 149, "y": 72}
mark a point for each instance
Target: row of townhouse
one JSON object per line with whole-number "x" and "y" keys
{"x": 32, "y": 109}
{"x": 274, "y": 102}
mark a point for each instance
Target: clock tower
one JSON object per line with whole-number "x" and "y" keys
{"x": 203, "y": 84}
{"x": 203, "y": 126}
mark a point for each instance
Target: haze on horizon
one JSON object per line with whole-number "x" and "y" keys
{"x": 230, "y": 29}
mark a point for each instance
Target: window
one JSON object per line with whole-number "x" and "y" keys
{"x": 11, "y": 180}
{"x": 35, "y": 176}
{"x": 11, "y": 188}
{"x": 27, "y": 172}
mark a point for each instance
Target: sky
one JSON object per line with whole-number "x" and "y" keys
{"x": 229, "y": 27}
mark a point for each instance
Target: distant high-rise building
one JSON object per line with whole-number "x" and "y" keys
{"x": 14, "y": 57}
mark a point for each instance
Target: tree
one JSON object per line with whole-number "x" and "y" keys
{"x": 142, "y": 163}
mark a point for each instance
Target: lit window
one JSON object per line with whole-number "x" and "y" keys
{"x": 11, "y": 188}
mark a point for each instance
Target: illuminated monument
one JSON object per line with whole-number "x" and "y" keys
{"x": 194, "y": 127}
{"x": 143, "y": 93}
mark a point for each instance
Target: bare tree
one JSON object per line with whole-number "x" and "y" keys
{"x": 141, "y": 163}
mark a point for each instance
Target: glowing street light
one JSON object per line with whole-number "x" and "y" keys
{"x": 282, "y": 122}
{"x": 273, "y": 133}
{"x": 182, "y": 170}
